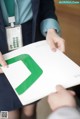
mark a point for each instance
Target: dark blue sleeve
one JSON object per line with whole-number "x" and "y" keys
{"x": 47, "y": 9}
{"x": 3, "y": 42}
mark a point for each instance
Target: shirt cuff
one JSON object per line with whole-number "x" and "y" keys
{"x": 65, "y": 113}
{"x": 49, "y": 24}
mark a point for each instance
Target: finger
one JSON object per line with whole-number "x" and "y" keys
{"x": 72, "y": 92}
{"x": 1, "y": 71}
{"x": 59, "y": 87}
{"x": 2, "y": 61}
{"x": 61, "y": 46}
{"x": 53, "y": 48}
{"x": 52, "y": 45}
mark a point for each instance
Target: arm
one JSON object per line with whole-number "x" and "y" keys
{"x": 3, "y": 41}
{"x": 48, "y": 16}
{"x": 2, "y": 62}
{"x": 47, "y": 8}
{"x": 63, "y": 104}
{"x": 49, "y": 25}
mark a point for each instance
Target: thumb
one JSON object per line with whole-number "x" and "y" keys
{"x": 2, "y": 61}
{"x": 59, "y": 87}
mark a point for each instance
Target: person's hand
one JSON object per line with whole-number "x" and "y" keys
{"x": 61, "y": 98}
{"x": 55, "y": 41}
{"x": 2, "y": 62}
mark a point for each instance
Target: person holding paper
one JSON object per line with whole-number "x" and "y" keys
{"x": 23, "y": 22}
{"x": 63, "y": 104}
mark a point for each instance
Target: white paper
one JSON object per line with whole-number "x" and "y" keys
{"x": 57, "y": 69}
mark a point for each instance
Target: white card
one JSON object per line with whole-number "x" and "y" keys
{"x": 14, "y": 37}
{"x": 40, "y": 71}
{"x": 17, "y": 72}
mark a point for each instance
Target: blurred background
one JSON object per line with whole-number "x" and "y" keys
{"x": 69, "y": 20}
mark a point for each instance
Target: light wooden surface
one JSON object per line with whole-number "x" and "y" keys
{"x": 69, "y": 19}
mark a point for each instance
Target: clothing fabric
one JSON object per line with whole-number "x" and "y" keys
{"x": 24, "y": 14}
{"x": 42, "y": 10}
{"x": 8, "y": 98}
{"x": 65, "y": 113}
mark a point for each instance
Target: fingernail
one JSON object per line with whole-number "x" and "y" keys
{"x": 6, "y": 66}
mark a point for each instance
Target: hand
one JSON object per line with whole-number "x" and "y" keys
{"x": 2, "y": 62}
{"x": 55, "y": 41}
{"x": 61, "y": 98}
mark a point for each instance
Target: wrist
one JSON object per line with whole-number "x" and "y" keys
{"x": 51, "y": 31}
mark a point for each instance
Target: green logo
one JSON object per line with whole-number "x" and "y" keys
{"x": 33, "y": 67}
{"x": 69, "y": 1}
